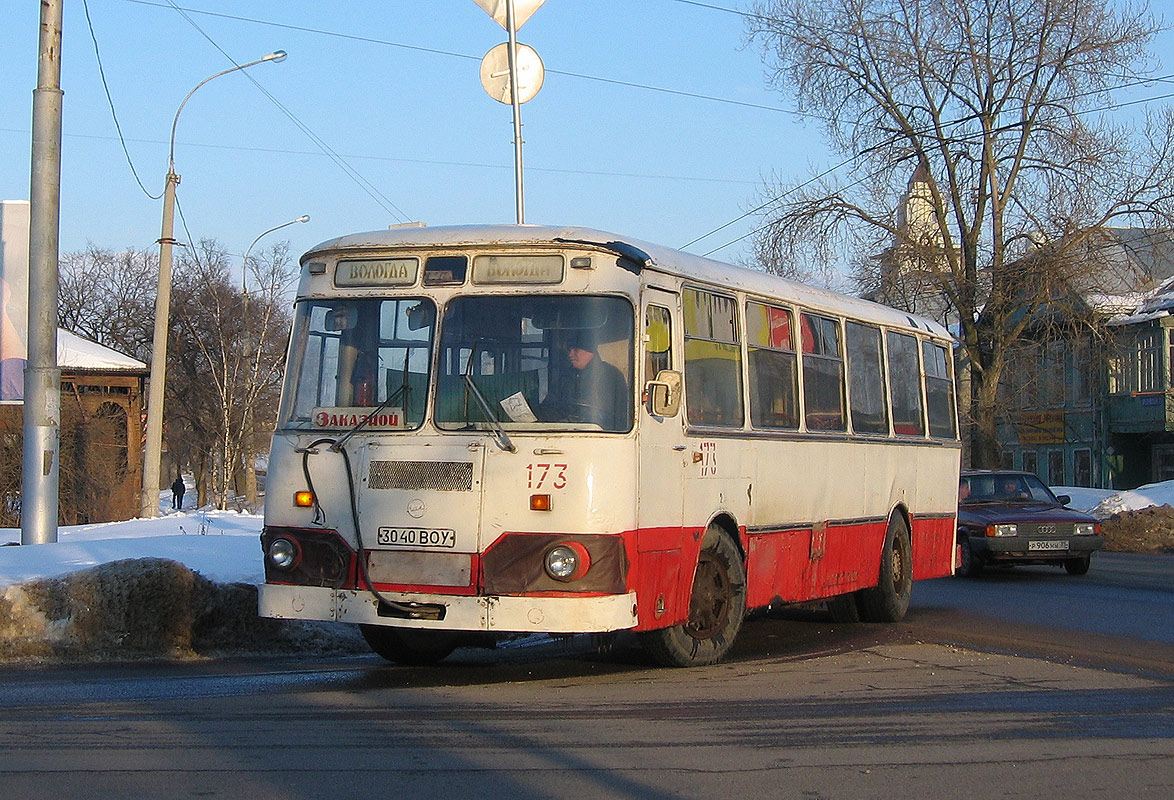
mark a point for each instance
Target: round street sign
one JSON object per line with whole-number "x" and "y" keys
{"x": 495, "y": 73}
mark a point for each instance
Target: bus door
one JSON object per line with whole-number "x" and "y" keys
{"x": 663, "y": 456}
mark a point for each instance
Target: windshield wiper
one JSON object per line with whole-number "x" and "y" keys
{"x": 500, "y": 437}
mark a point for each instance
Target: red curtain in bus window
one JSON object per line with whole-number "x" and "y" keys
{"x": 780, "y": 328}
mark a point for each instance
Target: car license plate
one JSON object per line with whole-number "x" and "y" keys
{"x": 442, "y": 538}
{"x": 1048, "y": 544}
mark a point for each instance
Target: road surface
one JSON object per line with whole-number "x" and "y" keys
{"x": 964, "y": 699}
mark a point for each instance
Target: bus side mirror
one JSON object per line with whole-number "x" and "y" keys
{"x": 664, "y": 393}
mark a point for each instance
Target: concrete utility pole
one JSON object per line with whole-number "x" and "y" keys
{"x": 42, "y": 378}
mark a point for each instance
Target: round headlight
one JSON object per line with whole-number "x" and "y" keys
{"x": 283, "y": 553}
{"x": 567, "y": 561}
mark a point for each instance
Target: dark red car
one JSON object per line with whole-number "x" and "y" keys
{"x": 1007, "y": 517}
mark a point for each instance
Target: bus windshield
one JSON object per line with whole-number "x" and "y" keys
{"x": 350, "y": 357}
{"x": 535, "y": 363}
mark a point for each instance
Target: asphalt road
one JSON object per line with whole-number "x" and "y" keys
{"x": 965, "y": 698}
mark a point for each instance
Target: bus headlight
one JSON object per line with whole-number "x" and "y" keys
{"x": 284, "y": 554}
{"x": 567, "y": 561}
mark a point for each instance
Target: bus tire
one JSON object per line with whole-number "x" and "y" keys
{"x": 409, "y": 646}
{"x": 717, "y": 606}
{"x": 889, "y": 599}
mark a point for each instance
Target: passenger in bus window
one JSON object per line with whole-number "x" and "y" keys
{"x": 594, "y": 391}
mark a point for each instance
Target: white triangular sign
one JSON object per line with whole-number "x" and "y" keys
{"x": 523, "y": 10}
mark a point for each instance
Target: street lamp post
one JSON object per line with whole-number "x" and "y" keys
{"x": 152, "y": 455}
{"x": 247, "y": 425}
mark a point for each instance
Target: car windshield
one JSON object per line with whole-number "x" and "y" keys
{"x": 358, "y": 358}
{"x": 1003, "y": 488}
{"x": 526, "y": 362}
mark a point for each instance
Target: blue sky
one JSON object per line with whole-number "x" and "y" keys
{"x": 412, "y": 120}
{"x": 393, "y": 88}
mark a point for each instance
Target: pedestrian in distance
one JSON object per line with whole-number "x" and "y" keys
{"x": 177, "y": 490}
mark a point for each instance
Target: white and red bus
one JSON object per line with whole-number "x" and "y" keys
{"x": 493, "y": 431}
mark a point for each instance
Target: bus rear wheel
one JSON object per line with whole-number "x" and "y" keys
{"x": 889, "y": 599}
{"x": 409, "y": 646}
{"x": 717, "y": 606}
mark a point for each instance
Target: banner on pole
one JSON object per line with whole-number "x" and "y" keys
{"x": 14, "y": 298}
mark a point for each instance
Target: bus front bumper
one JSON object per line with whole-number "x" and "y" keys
{"x": 501, "y": 614}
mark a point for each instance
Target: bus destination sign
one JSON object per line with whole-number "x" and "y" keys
{"x": 377, "y": 272}
{"x": 386, "y": 419}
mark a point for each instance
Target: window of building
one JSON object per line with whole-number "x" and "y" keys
{"x": 1056, "y": 476}
{"x": 774, "y": 380}
{"x": 823, "y": 373}
{"x": 1082, "y": 467}
{"x": 1030, "y": 462}
{"x": 713, "y": 359}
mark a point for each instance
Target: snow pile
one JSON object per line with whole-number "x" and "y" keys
{"x": 1152, "y": 494}
{"x": 179, "y": 586}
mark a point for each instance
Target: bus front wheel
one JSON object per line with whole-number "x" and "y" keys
{"x": 409, "y": 646}
{"x": 717, "y": 606}
{"x": 889, "y": 599}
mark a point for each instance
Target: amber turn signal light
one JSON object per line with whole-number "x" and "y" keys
{"x": 303, "y": 499}
{"x": 540, "y": 502}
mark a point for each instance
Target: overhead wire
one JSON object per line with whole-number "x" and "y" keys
{"x": 371, "y": 190}
{"x": 110, "y": 101}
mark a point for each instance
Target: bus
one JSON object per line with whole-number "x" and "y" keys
{"x": 499, "y": 431}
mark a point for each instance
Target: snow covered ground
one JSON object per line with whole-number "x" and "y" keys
{"x": 223, "y": 546}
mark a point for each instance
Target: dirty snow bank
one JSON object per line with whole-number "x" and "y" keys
{"x": 178, "y": 586}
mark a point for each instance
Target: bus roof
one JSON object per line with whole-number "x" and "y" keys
{"x": 659, "y": 259}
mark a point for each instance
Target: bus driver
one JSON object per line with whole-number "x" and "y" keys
{"x": 594, "y": 391}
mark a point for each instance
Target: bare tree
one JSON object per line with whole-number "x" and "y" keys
{"x": 227, "y": 356}
{"x": 1000, "y": 109}
{"x": 109, "y": 297}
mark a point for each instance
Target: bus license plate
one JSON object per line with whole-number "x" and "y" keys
{"x": 442, "y": 538}
{"x": 1048, "y": 544}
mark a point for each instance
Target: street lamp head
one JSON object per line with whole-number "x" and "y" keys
{"x": 276, "y": 55}
{"x": 303, "y": 218}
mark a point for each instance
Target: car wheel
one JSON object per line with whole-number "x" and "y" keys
{"x": 409, "y": 646}
{"x": 889, "y": 599}
{"x": 717, "y": 606}
{"x": 971, "y": 562}
{"x": 1078, "y": 566}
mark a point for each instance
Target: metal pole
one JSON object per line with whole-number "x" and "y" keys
{"x": 42, "y": 379}
{"x": 513, "y": 53}
{"x": 152, "y": 453}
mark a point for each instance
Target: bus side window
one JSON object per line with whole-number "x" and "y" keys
{"x": 774, "y": 382}
{"x": 905, "y": 384}
{"x": 866, "y": 379}
{"x": 713, "y": 359}
{"x": 823, "y": 373}
{"x": 658, "y": 339}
